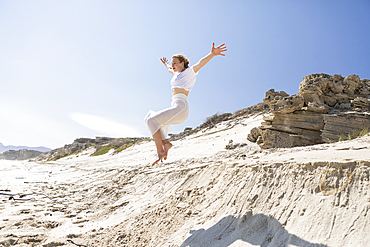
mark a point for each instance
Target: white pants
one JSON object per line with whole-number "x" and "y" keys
{"x": 176, "y": 114}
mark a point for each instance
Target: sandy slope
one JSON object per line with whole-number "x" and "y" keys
{"x": 203, "y": 195}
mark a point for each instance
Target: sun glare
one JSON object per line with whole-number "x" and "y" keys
{"x": 104, "y": 126}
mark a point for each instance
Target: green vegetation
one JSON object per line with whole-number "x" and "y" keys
{"x": 102, "y": 150}
{"x": 118, "y": 145}
{"x": 58, "y": 156}
{"x": 129, "y": 144}
{"x": 123, "y": 148}
{"x": 101, "y": 145}
{"x": 75, "y": 153}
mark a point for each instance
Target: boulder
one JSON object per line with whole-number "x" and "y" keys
{"x": 330, "y": 90}
{"x": 254, "y": 134}
{"x": 281, "y": 102}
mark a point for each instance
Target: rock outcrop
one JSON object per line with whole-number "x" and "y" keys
{"x": 82, "y": 144}
{"x": 326, "y": 109}
{"x": 23, "y": 154}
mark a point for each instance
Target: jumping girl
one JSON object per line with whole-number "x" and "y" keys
{"x": 182, "y": 82}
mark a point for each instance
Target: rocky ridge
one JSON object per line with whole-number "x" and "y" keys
{"x": 326, "y": 109}
{"x": 22, "y": 154}
{"x": 102, "y": 144}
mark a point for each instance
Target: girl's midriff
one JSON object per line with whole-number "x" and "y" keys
{"x": 178, "y": 90}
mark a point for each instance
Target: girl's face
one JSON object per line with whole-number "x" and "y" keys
{"x": 177, "y": 66}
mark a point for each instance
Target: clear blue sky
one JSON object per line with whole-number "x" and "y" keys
{"x": 86, "y": 68}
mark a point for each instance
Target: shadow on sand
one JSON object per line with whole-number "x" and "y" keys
{"x": 256, "y": 230}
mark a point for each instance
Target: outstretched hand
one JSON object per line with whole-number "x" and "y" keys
{"x": 218, "y": 50}
{"x": 164, "y": 60}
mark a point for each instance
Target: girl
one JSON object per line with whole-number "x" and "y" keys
{"x": 182, "y": 82}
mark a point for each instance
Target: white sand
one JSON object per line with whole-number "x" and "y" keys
{"x": 203, "y": 195}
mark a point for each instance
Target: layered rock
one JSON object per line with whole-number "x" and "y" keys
{"x": 300, "y": 128}
{"x": 344, "y": 125}
{"x": 326, "y": 109}
{"x": 361, "y": 103}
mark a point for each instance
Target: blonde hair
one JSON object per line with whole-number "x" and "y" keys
{"x": 182, "y": 58}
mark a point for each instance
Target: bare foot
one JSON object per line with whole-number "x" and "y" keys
{"x": 166, "y": 146}
{"x": 160, "y": 157}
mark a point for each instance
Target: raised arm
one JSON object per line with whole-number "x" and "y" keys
{"x": 215, "y": 51}
{"x": 169, "y": 67}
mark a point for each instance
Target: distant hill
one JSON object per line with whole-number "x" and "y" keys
{"x": 23, "y": 154}
{"x": 10, "y": 147}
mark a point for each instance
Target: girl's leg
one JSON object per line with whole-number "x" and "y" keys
{"x": 162, "y": 154}
{"x": 166, "y": 146}
{"x": 161, "y": 120}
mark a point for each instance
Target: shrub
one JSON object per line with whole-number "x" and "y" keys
{"x": 102, "y": 150}
{"x": 123, "y": 148}
{"x": 118, "y": 144}
{"x": 215, "y": 119}
{"x": 58, "y": 156}
{"x": 130, "y": 143}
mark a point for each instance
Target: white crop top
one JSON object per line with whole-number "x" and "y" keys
{"x": 185, "y": 79}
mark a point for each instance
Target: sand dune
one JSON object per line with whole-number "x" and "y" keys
{"x": 203, "y": 195}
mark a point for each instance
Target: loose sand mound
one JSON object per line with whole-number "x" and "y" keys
{"x": 203, "y": 195}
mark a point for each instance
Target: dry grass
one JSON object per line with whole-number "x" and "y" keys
{"x": 354, "y": 135}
